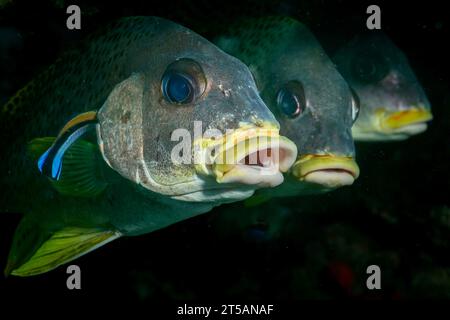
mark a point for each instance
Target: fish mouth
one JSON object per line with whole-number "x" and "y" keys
{"x": 254, "y": 156}
{"x": 405, "y": 118}
{"x": 398, "y": 125}
{"x": 407, "y": 122}
{"x": 328, "y": 171}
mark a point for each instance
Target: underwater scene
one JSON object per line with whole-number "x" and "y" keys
{"x": 201, "y": 153}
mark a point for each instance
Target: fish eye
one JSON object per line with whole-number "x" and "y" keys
{"x": 291, "y": 99}
{"x": 183, "y": 82}
{"x": 177, "y": 88}
{"x": 355, "y": 105}
{"x": 370, "y": 68}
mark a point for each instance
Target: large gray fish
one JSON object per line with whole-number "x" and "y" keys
{"x": 393, "y": 103}
{"x": 143, "y": 85}
{"x": 307, "y": 95}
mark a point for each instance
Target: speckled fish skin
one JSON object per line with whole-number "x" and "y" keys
{"x": 138, "y": 49}
{"x": 380, "y": 74}
{"x": 281, "y": 49}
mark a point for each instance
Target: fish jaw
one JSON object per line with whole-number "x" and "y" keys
{"x": 326, "y": 171}
{"x": 249, "y": 156}
{"x": 394, "y": 126}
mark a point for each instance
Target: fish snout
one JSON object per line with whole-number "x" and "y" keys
{"x": 250, "y": 155}
{"x": 326, "y": 171}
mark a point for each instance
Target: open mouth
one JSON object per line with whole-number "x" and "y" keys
{"x": 328, "y": 171}
{"x": 251, "y": 156}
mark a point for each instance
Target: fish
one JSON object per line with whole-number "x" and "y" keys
{"x": 308, "y": 96}
{"x": 103, "y": 141}
{"x": 393, "y": 104}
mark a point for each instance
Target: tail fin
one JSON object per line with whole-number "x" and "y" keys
{"x": 36, "y": 250}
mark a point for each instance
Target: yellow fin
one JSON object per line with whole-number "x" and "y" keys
{"x": 63, "y": 246}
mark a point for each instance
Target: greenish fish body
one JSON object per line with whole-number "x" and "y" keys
{"x": 307, "y": 95}
{"x": 146, "y": 79}
{"x": 393, "y": 103}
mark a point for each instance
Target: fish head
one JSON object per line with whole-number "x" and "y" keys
{"x": 313, "y": 104}
{"x": 187, "y": 120}
{"x": 394, "y": 105}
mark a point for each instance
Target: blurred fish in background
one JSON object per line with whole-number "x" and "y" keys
{"x": 393, "y": 104}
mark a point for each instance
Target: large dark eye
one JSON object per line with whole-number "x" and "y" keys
{"x": 177, "y": 88}
{"x": 370, "y": 68}
{"x": 291, "y": 99}
{"x": 355, "y": 105}
{"x": 183, "y": 82}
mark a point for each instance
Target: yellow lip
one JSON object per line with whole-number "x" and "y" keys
{"x": 248, "y": 155}
{"x": 399, "y": 119}
{"x": 329, "y": 171}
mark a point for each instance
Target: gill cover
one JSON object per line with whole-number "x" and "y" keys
{"x": 119, "y": 129}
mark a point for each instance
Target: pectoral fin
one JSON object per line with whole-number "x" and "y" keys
{"x": 50, "y": 162}
{"x": 81, "y": 173}
{"x": 53, "y": 249}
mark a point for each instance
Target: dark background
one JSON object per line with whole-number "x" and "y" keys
{"x": 396, "y": 215}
